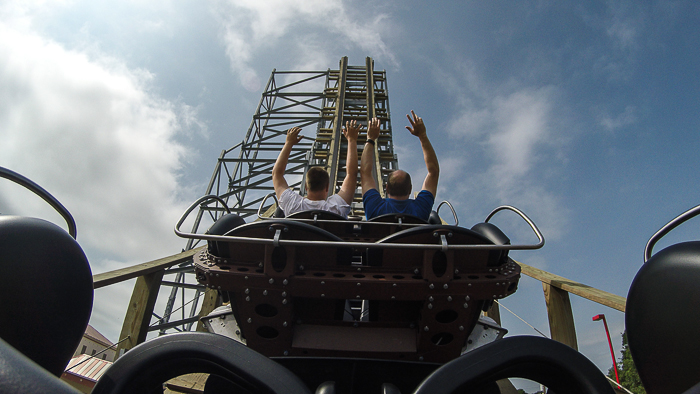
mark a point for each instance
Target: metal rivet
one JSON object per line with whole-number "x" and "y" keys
{"x": 358, "y": 283}
{"x": 250, "y": 320}
{"x": 466, "y": 305}
{"x": 264, "y": 292}
{"x": 449, "y": 298}
{"x": 323, "y": 282}
{"x": 247, "y": 291}
{"x": 284, "y": 282}
{"x": 284, "y": 301}
{"x": 393, "y": 297}
{"x": 420, "y": 358}
{"x": 430, "y": 306}
{"x": 394, "y": 285}
{"x": 284, "y": 324}
{"x": 415, "y": 271}
{"x": 467, "y": 298}
{"x": 426, "y": 328}
{"x": 301, "y": 268}
{"x": 284, "y": 294}
{"x": 456, "y": 272}
{"x": 286, "y": 353}
{"x": 247, "y": 298}
{"x": 445, "y": 286}
{"x": 430, "y": 298}
{"x": 246, "y": 278}
{"x": 461, "y": 328}
{"x": 358, "y": 296}
{"x": 323, "y": 295}
{"x": 432, "y": 286}
{"x": 271, "y": 281}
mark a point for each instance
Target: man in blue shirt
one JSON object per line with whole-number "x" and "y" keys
{"x": 398, "y": 187}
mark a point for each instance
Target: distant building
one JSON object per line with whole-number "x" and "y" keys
{"x": 89, "y": 361}
{"x": 83, "y": 372}
{"x": 93, "y": 343}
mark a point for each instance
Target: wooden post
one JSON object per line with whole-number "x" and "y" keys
{"x": 561, "y": 317}
{"x": 494, "y": 312}
{"x": 211, "y": 301}
{"x": 140, "y": 310}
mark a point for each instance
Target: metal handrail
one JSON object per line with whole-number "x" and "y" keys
{"x": 454, "y": 214}
{"x": 262, "y": 203}
{"x": 680, "y": 219}
{"x": 534, "y": 227}
{"x": 46, "y": 196}
{"x": 199, "y": 201}
{"x": 371, "y": 245}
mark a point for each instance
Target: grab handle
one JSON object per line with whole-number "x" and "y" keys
{"x": 46, "y": 196}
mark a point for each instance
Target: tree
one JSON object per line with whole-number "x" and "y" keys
{"x": 627, "y": 371}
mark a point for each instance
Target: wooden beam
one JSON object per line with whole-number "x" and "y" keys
{"x": 573, "y": 287}
{"x": 135, "y": 271}
{"x": 561, "y": 317}
{"x": 211, "y": 301}
{"x": 494, "y": 312}
{"x": 138, "y": 314}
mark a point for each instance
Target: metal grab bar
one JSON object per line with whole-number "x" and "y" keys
{"x": 371, "y": 245}
{"x": 46, "y": 196}
{"x": 199, "y": 201}
{"x": 680, "y": 219}
{"x": 454, "y": 214}
{"x": 534, "y": 228}
{"x": 262, "y": 203}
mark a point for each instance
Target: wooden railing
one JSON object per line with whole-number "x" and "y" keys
{"x": 149, "y": 275}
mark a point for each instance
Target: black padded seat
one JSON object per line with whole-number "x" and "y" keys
{"x": 223, "y": 225}
{"x": 316, "y": 214}
{"x": 562, "y": 369}
{"x": 431, "y": 234}
{"x": 497, "y": 237}
{"x": 46, "y": 291}
{"x": 398, "y": 218}
{"x": 289, "y": 230}
{"x": 147, "y": 366}
{"x": 662, "y": 324}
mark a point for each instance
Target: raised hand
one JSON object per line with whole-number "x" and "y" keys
{"x": 373, "y": 129}
{"x": 351, "y": 130}
{"x": 293, "y": 136}
{"x": 417, "y": 127}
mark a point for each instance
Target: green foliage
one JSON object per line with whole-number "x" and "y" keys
{"x": 629, "y": 378}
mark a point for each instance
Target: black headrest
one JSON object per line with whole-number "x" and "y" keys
{"x": 662, "y": 322}
{"x": 46, "y": 291}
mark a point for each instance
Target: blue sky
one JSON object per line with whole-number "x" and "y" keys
{"x": 582, "y": 114}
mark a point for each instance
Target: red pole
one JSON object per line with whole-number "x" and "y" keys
{"x": 612, "y": 353}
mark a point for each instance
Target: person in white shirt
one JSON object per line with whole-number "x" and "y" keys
{"x": 317, "y": 179}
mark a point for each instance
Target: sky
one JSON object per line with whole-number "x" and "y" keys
{"x": 582, "y": 114}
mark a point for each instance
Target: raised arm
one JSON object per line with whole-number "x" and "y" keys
{"x": 278, "y": 181}
{"x": 367, "y": 180}
{"x": 417, "y": 128}
{"x": 347, "y": 190}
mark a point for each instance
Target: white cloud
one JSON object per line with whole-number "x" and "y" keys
{"x": 627, "y": 117}
{"x": 251, "y": 27}
{"x": 89, "y": 131}
{"x": 511, "y": 136}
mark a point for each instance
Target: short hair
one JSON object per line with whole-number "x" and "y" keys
{"x": 317, "y": 179}
{"x": 398, "y": 185}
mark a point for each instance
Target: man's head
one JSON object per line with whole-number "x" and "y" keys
{"x": 398, "y": 185}
{"x": 317, "y": 181}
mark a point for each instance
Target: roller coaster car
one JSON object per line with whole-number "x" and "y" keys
{"x": 31, "y": 361}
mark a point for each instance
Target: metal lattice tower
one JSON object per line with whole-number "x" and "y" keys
{"x": 320, "y": 102}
